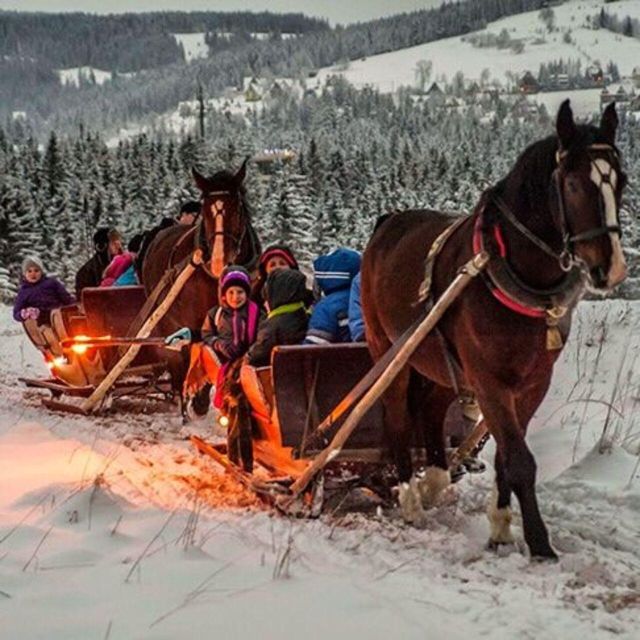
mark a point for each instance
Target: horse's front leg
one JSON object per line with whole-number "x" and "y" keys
{"x": 499, "y": 507}
{"x": 516, "y": 470}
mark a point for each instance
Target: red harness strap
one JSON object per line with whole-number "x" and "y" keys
{"x": 499, "y": 294}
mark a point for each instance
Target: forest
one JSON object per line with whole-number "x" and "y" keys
{"x": 357, "y": 154}
{"x": 29, "y": 84}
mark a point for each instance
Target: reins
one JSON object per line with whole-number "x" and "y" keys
{"x": 566, "y": 258}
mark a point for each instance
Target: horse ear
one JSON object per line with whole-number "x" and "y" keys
{"x": 201, "y": 182}
{"x": 565, "y": 126}
{"x": 609, "y": 123}
{"x": 242, "y": 172}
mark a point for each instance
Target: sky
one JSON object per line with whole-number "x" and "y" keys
{"x": 336, "y": 11}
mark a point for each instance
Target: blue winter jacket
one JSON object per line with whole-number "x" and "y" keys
{"x": 128, "y": 278}
{"x": 356, "y": 321}
{"x": 329, "y": 320}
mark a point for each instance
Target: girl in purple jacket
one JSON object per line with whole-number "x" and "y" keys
{"x": 38, "y": 293}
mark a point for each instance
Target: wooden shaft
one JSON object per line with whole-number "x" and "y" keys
{"x": 144, "y": 332}
{"x": 471, "y": 269}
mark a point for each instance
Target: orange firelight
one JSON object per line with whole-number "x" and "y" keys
{"x": 80, "y": 348}
{"x": 56, "y": 363}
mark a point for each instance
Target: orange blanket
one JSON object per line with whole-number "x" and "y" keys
{"x": 204, "y": 368}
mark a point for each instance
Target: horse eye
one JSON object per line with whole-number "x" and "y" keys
{"x": 573, "y": 186}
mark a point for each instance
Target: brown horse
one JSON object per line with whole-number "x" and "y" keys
{"x": 225, "y": 235}
{"x": 551, "y": 229}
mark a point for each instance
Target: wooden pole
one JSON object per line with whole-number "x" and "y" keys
{"x": 97, "y": 396}
{"x": 469, "y": 271}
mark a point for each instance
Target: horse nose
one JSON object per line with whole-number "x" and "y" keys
{"x": 598, "y": 277}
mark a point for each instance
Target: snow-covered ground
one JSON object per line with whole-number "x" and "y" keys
{"x": 194, "y": 45}
{"x": 113, "y": 527}
{"x": 389, "y": 71}
{"x": 75, "y": 75}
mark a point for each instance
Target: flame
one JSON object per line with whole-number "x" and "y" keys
{"x": 56, "y": 363}
{"x": 80, "y": 348}
{"x": 224, "y": 421}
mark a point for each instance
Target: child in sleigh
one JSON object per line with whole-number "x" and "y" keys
{"x": 227, "y": 332}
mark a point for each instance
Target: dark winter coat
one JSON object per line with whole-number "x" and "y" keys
{"x": 90, "y": 273}
{"x": 285, "y": 291}
{"x": 233, "y": 331}
{"x": 330, "y": 318}
{"x": 46, "y": 294}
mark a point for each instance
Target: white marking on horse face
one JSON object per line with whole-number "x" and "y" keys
{"x": 618, "y": 267}
{"x": 217, "y": 252}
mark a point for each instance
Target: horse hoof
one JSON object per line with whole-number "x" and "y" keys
{"x": 549, "y": 556}
{"x": 501, "y": 549}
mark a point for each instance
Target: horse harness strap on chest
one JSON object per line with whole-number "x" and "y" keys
{"x": 454, "y": 368}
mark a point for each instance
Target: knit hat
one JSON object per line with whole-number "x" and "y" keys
{"x": 235, "y": 276}
{"x": 336, "y": 270}
{"x": 192, "y": 206}
{"x": 280, "y": 251}
{"x": 32, "y": 261}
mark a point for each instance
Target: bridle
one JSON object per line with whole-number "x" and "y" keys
{"x": 206, "y": 242}
{"x": 604, "y": 176}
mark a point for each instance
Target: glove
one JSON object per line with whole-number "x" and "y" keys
{"x": 30, "y": 313}
{"x": 181, "y": 335}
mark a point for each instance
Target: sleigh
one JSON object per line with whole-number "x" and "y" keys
{"x": 319, "y": 395}
{"x": 77, "y": 372}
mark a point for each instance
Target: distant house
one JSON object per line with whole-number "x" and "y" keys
{"x": 559, "y": 81}
{"x": 528, "y": 84}
{"x": 435, "y": 95}
{"x": 595, "y": 75}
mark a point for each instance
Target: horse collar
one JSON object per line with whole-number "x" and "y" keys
{"x": 510, "y": 290}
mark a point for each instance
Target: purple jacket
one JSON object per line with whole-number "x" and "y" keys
{"x": 46, "y": 294}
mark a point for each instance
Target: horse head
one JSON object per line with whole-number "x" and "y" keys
{"x": 224, "y": 218}
{"x": 587, "y": 189}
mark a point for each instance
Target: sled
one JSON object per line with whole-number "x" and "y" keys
{"x": 139, "y": 369}
{"x": 103, "y": 311}
{"x": 320, "y": 394}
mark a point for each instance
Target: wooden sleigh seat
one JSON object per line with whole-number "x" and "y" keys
{"x": 303, "y": 385}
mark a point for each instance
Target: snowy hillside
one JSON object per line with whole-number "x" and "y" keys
{"x": 392, "y": 70}
{"x": 113, "y": 528}
{"x": 194, "y": 45}
{"x": 76, "y": 75}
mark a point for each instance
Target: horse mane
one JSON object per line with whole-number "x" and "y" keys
{"x": 529, "y": 181}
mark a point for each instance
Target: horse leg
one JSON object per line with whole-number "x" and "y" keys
{"x": 516, "y": 460}
{"x": 428, "y": 404}
{"x": 499, "y": 507}
{"x": 398, "y": 433}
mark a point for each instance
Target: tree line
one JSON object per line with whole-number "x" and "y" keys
{"x": 358, "y": 154}
{"x": 154, "y": 91}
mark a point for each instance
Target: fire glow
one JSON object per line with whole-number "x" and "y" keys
{"x": 80, "y": 348}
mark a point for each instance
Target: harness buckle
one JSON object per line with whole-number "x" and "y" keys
{"x": 565, "y": 260}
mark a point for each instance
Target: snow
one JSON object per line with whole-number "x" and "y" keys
{"x": 113, "y": 527}
{"x": 194, "y": 45}
{"x": 75, "y": 75}
{"x": 390, "y": 71}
